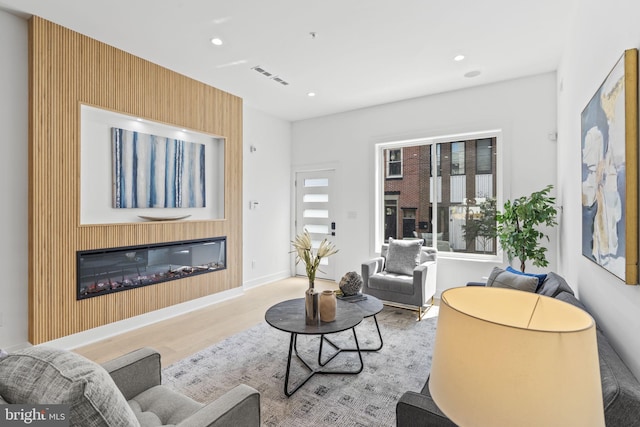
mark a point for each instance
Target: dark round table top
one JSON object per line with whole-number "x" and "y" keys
{"x": 370, "y": 306}
{"x": 289, "y": 316}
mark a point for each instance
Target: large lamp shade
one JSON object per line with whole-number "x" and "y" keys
{"x": 506, "y": 358}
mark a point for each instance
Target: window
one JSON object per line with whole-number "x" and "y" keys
{"x": 394, "y": 163}
{"x": 484, "y": 156}
{"x": 457, "y": 158}
{"x": 452, "y": 209}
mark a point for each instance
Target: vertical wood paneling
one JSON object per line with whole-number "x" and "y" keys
{"x": 66, "y": 70}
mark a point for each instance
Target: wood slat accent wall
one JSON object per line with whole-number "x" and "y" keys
{"x": 66, "y": 70}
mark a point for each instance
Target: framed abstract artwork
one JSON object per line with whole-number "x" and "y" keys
{"x": 151, "y": 171}
{"x": 609, "y": 134}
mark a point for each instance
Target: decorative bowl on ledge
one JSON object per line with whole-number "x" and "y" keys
{"x": 164, "y": 218}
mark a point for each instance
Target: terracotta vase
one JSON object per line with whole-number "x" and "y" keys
{"x": 328, "y": 305}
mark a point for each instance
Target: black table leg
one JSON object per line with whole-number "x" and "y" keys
{"x": 323, "y": 338}
{"x": 293, "y": 347}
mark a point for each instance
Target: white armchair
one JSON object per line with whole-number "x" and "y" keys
{"x": 412, "y": 288}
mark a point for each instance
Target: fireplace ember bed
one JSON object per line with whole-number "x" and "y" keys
{"x": 104, "y": 271}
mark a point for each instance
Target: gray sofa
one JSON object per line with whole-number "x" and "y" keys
{"x": 126, "y": 391}
{"x": 620, "y": 389}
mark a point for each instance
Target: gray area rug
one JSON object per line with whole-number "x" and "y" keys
{"x": 257, "y": 357}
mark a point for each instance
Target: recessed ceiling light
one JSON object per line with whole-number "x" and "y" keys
{"x": 474, "y": 73}
{"x": 311, "y": 94}
{"x": 216, "y": 41}
{"x": 458, "y": 58}
{"x": 139, "y": 119}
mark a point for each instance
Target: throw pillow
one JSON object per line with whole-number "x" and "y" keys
{"x": 554, "y": 285}
{"x": 540, "y": 276}
{"x": 500, "y": 278}
{"x": 403, "y": 256}
{"x": 44, "y": 375}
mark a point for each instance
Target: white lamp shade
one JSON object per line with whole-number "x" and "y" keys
{"x": 505, "y": 358}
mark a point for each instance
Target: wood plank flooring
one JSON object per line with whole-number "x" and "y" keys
{"x": 181, "y": 336}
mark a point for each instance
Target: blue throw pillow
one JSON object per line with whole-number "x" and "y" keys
{"x": 541, "y": 277}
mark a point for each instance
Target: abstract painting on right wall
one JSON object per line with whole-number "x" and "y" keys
{"x": 609, "y": 133}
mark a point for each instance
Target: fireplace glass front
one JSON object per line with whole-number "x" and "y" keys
{"x": 117, "y": 269}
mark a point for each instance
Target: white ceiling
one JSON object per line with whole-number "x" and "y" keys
{"x": 366, "y": 52}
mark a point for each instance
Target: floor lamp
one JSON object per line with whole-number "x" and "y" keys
{"x": 505, "y": 358}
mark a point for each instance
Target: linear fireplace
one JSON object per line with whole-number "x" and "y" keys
{"x": 105, "y": 271}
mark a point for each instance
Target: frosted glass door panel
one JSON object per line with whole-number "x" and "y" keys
{"x": 316, "y": 213}
{"x": 315, "y": 198}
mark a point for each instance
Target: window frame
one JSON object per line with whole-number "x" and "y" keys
{"x": 380, "y": 177}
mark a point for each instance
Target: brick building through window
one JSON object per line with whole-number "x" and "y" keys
{"x": 421, "y": 204}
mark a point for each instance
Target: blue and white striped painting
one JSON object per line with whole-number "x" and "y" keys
{"x": 156, "y": 172}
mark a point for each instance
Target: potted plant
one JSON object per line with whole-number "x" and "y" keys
{"x": 518, "y": 227}
{"x": 304, "y": 252}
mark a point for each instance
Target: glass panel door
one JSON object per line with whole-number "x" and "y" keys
{"x": 315, "y": 207}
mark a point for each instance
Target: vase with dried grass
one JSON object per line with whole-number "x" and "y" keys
{"x": 303, "y": 247}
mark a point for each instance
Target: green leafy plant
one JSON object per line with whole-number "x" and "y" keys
{"x": 481, "y": 225}
{"x": 518, "y": 227}
{"x": 304, "y": 252}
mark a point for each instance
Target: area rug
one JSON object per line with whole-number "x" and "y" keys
{"x": 257, "y": 357}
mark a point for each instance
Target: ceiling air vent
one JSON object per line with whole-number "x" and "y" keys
{"x": 262, "y": 71}
{"x": 270, "y": 75}
{"x": 279, "y": 80}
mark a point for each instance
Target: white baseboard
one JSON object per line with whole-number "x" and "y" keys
{"x": 100, "y": 333}
{"x": 103, "y": 332}
{"x": 265, "y": 280}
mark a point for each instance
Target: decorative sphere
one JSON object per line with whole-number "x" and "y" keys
{"x": 351, "y": 283}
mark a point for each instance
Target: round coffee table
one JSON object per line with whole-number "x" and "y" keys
{"x": 289, "y": 316}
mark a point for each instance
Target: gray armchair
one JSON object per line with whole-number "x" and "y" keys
{"x": 413, "y": 291}
{"x": 137, "y": 375}
{"x": 126, "y": 391}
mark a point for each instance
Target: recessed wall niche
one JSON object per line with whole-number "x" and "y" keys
{"x": 97, "y": 176}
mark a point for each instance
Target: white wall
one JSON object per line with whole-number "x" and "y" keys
{"x": 266, "y": 181}
{"x": 525, "y": 110}
{"x": 601, "y": 32}
{"x": 13, "y": 179}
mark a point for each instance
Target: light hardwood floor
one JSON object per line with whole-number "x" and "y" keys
{"x": 181, "y": 336}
